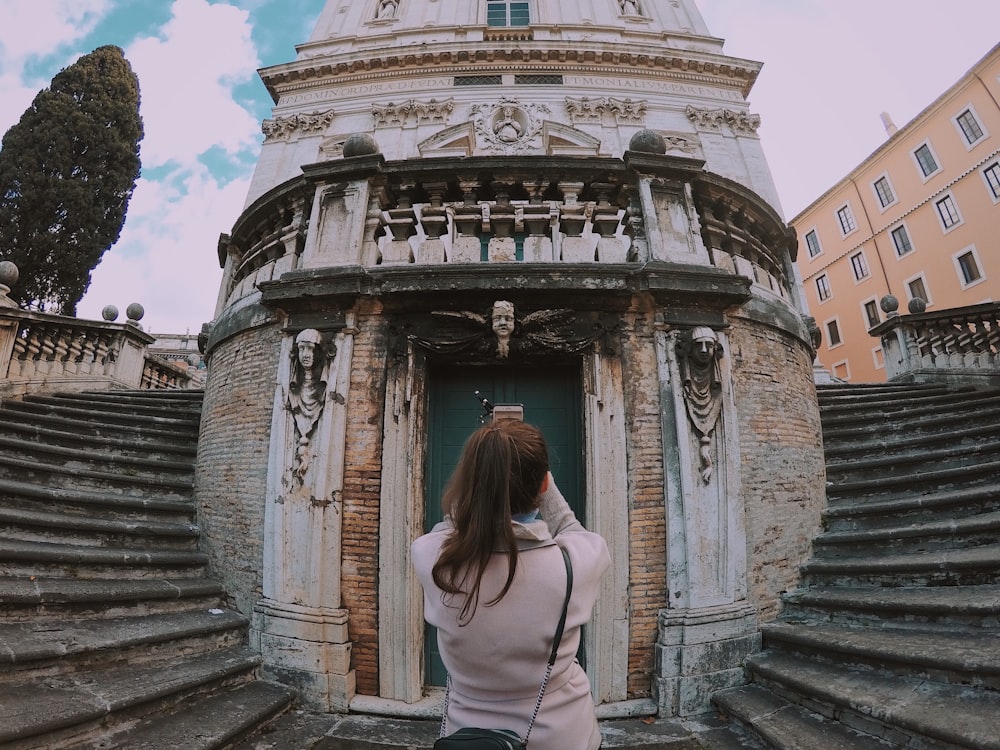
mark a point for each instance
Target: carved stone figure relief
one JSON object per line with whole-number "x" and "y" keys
{"x": 386, "y": 10}
{"x": 698, "y": 357}
{"x": 283, "y": 128}
{"x": 500, "y": 333}
{"x": 508, "y": 126}
{"x": 306, "y": 393}
{"x": 630, "y": 8}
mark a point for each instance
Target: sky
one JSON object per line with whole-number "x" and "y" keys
{"x": 831, "y": 67}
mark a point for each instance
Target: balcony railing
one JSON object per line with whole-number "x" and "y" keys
{"x": 960, "y": 343}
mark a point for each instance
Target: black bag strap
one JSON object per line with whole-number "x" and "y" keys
{"x": 556, "y": 640}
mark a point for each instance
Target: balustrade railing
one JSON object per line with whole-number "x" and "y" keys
{"x": 960, "y": 341}
{"x": 589, "y": 211}
{"x": 40, "y": 351}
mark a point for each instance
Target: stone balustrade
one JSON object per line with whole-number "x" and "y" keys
{"x": 962, "y": 343}
{"x": 595, "y": 211}
{"x": 40, "y": 352}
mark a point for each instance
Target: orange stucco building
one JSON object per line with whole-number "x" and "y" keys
{"x": 920, "y": 217}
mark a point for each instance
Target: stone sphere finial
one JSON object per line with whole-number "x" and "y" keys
{"x": 134, "y": 312}
{"x": 648, "y": 142}
{"x": 889, "y": 305}
{"x": 110, "y": 313}
{"x": 916, "y": 306}
{"x": 360, "y": 144}
{"x": 8, "y": 277}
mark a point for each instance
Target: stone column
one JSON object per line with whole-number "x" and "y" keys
{"x": 708, "y": 627}
{"x": 299, "y": 625}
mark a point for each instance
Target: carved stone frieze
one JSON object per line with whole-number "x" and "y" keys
{"x": 283, "y": 128}
{"x": 502, "y": 334}
{"x": 740, "y": 123}
{"x": 508, "y": 126}
{"x": 412, "y": 111}
{"x": 588, "y": 109}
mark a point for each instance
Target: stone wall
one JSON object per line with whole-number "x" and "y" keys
{"x": 231, "y": 471}
{"x": 784, "y": 473}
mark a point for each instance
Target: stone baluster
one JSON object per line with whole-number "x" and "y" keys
{"x": 468, "y": 218}
{"x": 573, "y": 246}
{"x": 32, "y": 350}
{"x": 500, "y": 219}
{"x": 402, "y": 224}
{"x": 434, "y": 223}
{"x": 611, "y": 247}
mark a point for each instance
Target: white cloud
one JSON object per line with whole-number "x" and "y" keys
{"x": 186, "y": 76}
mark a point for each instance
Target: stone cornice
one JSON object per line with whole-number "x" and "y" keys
{"x": 531, "y": 57}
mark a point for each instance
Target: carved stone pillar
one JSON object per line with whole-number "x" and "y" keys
{"x": 708, "y": 627}
{"x": 299, "y": 625}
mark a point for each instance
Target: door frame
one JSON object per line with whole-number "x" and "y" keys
{"x": 401, "y": 517}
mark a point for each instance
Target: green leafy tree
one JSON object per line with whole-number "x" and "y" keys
{"x": 67, "y": 173}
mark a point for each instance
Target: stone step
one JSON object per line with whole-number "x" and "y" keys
{"x": 54, "y": 711}
{"x": 834, "y": 391}
{"x": 28, "y": 495}
{"x": 893, "y": 510}
{"x": 61, "y": 646}
{"x": 946, "y": 608}
{"x": 888, "y": 406}
{"x": 115, "y": 404}
{"x": 916, "y": 426}
{"x": 93, "y": 530}
{"x": 108, "y": 421}
{"x": 83, "y": 425}
{"x": 904, "y": 711}
{"x": 911, "y": 467}
{"x": 782, "y": 725}
{"x": 979, "y": 565}
{"x": 966, "y": 658}
{"x": 206, "y": 723}
{"x": 926, "y": 436}
{"x": 940, "y": 532}
{"x": 96, "y": 459}
{"x": 180, "y": 450}
{"x": 75, "y": 598}
{"x": 70, "y": 475}
{"x": 50, "y": 560}
{"x": 925, "y": 479}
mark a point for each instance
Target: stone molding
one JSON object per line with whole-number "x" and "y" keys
{"x": 284, "y": 128}
{"x": 740, "y": 123}
{"x": 625, "y": 111}
{"x": 412, "y": 111}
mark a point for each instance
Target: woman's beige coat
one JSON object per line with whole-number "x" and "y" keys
{"x": 497, "y": 660}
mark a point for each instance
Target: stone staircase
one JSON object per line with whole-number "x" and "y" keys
{"x": 893, "y": 638}
{"x": 111, "y": 635}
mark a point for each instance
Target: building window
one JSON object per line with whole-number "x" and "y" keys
{"x": 917, "y": 288}
{"x": 948, "y": 212}
{"x": 833, "y": 334}
{"x": 883, "y": 191}
{"x": 537, "y": 79}
{"x": 823, "y": 288}
{"x": 968, "y": 268}
{"x": 878, "y": 358}
{"x": 872, "y": 317}
{"x": 846, "y": 218}
{"x": 484, "y": 80}
{"x": 842, "y": 370}
{"x": 926, "y": 161}
{"x": 812, "y": 243}
{"x": 507, "y": 14}
{"x": 992, "y": 176}
{"x": 970, "y": 127}
{"x": 901, "y": 240}
{"x": 860, "y": 266}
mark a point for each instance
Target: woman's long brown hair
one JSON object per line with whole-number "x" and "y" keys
{"x": 500, "y": 473}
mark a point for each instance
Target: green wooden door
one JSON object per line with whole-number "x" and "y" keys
{"x": 552, "y": 402}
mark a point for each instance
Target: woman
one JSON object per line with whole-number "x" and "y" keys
{"x": 494, "y": 582}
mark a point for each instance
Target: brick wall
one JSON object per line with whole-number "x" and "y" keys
{"x": 231, "y": 471}
{"x": 362, "y": 488}
{"x": 784, "y": 474}
{"x": 647, "y": 518}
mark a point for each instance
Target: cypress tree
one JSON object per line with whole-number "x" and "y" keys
{"x": 67, "y": 172}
